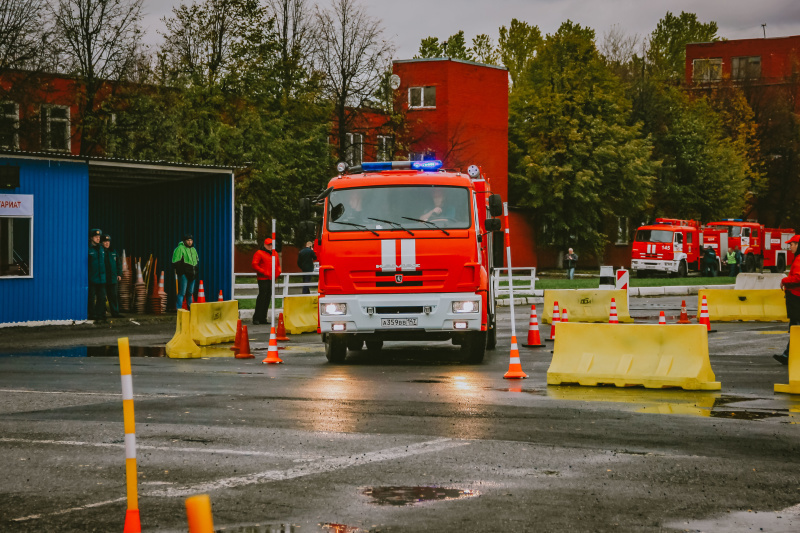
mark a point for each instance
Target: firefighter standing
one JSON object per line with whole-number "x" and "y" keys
{"x": 791, "y": 289}
{"x": 112, "y": 275}
{"x": 305, "y": 261}
{"x": 97, "y": 278}
{"x": 710, "y": 263}
{"x": 262, "y": 264}
{"x": 733, "y": 267}
{"x": 185, "y": 261}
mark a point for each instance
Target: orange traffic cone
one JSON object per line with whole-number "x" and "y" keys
{"x": 244, "y": 346}
{"x": 132, "y": 522}
{"x": 684, "y": 319}
{"x": 612, "y": 314}
{"x": 281, "y": 334}
{"x": 533, "y": 331}
{"x": 704, "y": 318}
{"x": 514, "y": 366}
{"x": 662, "y": 320}
{"x": 201, "y": 297}
{"x": 556, "y": 318}
{"x": 238, "y": 338}
{"x": 564, "y": 316}
{"x": 220, "y": 299}
{"x": 272, "y": 351}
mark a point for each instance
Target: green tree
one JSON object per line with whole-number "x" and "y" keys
{"x": 483, "y": 50}
{"x": 456, "y": 47}
{"x": 666, "y": 52}
{"x": 517, "y": 47}
{"x": 576, "y": 161}
{"x": 429, "y": 47}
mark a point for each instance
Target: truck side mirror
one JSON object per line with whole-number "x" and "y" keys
{"x": 492, "y": 224}
{"x": 305, "y": 208}
{"x": 495, "y": 205}
{"x": 336, "y": 212}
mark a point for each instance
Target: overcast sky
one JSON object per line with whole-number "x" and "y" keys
{"x": 408, "y": 21}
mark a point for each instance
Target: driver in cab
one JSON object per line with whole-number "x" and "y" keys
{"x": 440, "y": 211}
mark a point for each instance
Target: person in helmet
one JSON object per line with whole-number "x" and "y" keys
{"x": 791, "y": 290}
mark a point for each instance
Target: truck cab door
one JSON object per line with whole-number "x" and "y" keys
{"x": 677, "y": 244}
{"x": 745, "y": 237}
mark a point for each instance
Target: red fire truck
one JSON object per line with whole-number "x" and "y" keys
{"x": 675, "y": 246}
{"x": 406, "y": 253}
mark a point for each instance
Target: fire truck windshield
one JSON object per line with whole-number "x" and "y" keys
{"x": 396, "y": 208}
{"x": 653, "y": 235}
{"x": 733, "y": 231}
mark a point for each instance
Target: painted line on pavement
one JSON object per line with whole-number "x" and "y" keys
{"x": 88, "y": 393}
{"x": 70, "y": 510}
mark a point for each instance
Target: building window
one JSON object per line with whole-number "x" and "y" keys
{"x": 55, "y": 128}
{"x": 623, "y": 233}
{"x": 704, "y": 70}
{"x": 746, "y": 68}
{"x": 245, "y": 224}
{"x": 422, "y": 97}
{"x": 9, "y": 125}
{"x": 385, "y": 148}
{"x": 354, "y": 151}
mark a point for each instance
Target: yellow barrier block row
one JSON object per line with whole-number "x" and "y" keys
{"x": 300, "y": 314}
{"x": 650, "y": 355}
{"x": 730, "y": 305}
{"x": 214, "y": 322}
{"x": 586, "y": 305}
{"x": 793, "y": 387}
{"x": 182, "y": 346}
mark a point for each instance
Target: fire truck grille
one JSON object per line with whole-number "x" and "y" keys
{"x": 398, "y": 310}
{"x": 411, "y": 278}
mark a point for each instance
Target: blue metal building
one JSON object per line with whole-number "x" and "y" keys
{"x": 145, "y": 207}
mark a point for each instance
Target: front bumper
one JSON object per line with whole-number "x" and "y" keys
{"x": 658, "y": 265}
{"x": 441, "y": 317}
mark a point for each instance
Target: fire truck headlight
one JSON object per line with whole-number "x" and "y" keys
{"x": 466, "y": 306}
{"x": 334, "y": 309}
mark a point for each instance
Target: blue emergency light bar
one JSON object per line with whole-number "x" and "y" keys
{"x": 378, "y": 166}
{"x": 732, "y": 219}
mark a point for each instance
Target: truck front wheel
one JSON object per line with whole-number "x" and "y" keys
{"x": 683, "y": 269}
{"x": 473, "y": 347}
{"x": 335, "y": 348}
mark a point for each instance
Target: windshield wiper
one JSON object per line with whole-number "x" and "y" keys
{"x": 362, "y": 226}
{"x": 428, "y": 223}
{"x": 395, "y": 224}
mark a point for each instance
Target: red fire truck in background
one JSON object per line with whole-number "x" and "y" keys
{"x": 675, "y": 247}
{"x": 406, "y": 253}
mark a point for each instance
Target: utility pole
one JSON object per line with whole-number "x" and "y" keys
{"x": 764, "y": 28}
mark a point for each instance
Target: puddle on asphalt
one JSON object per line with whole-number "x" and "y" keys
{"x": 424, "y": 381}
{"x": 412, "y": 495}
{"x": 672, "y": 402}
{"x": 327, "y": 527}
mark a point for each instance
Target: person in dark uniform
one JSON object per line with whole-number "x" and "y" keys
{"x": 97, "y": 278}
{"x": 305, "y": 261}
{"x": 113, "y": 276}
{"x": 791, "y": 290}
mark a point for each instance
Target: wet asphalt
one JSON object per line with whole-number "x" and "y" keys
{"x": 407, "y": 439}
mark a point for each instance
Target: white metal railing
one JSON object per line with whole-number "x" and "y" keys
{"x": 523, "y": 278}
{"x": 288, "y": 285}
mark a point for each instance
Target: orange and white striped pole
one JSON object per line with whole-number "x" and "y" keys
{"x": 514, "y": 366}
{"x": 132, "y": 521}
{"x": 272, "y": 295}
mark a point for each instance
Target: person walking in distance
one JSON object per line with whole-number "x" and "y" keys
{"x": 262, "y": 264}
{"x": 791, "y": 290}
{"x": 113, "y": 276}
{"x": 185, "y": 261}
{"x": 571, "y": 260}
{"x": 97, "y": 278}
{"x": 305, "y": 262}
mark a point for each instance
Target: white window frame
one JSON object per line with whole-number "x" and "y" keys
{"x": 743, "y": 72}
{"x": 385, "y": 148}
{"x": 30, "y": 239}
{"x": 707, "y": 69}
{"x": 47, "y": 127}
{"x": 239, "y": 214}
{"x": 15, "y": 117}
{"x": 623, "y": 231}
{"x": 423, "y": 104}
{"x": 354, "y": 141}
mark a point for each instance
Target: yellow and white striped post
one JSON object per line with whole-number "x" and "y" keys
{"x": 132, "y": 521}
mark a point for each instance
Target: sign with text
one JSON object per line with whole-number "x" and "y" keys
{"x": 16, "y": 205}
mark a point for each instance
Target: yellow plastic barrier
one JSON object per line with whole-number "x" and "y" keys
{"x": 793, "y": 387}
{"x": 586, "y": 305}
{"x": 214, "y": 322}
{"x": 300, "y": 314}
{"x": 650, "y": 355}
{"x": 726, "y": 305}
{"x": 182, "y": 346}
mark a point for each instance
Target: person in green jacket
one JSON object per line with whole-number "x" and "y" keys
{"x": 185, "y": 262}
{"x": 113, "y": 275}
{"x": 97, "y": 278}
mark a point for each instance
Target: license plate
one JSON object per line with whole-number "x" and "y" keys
{"x": 398, "y": 322}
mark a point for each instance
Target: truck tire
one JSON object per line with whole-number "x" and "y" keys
{"x": 335, "y": 348}
{"x": 374, "y": 346}
{"x": 683, "y": 269}
{"x": 749, "y": 263}
{"x": 354, "y": 344}
{"x": 491, "y": 339}
{"x": 473, "y": 348}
